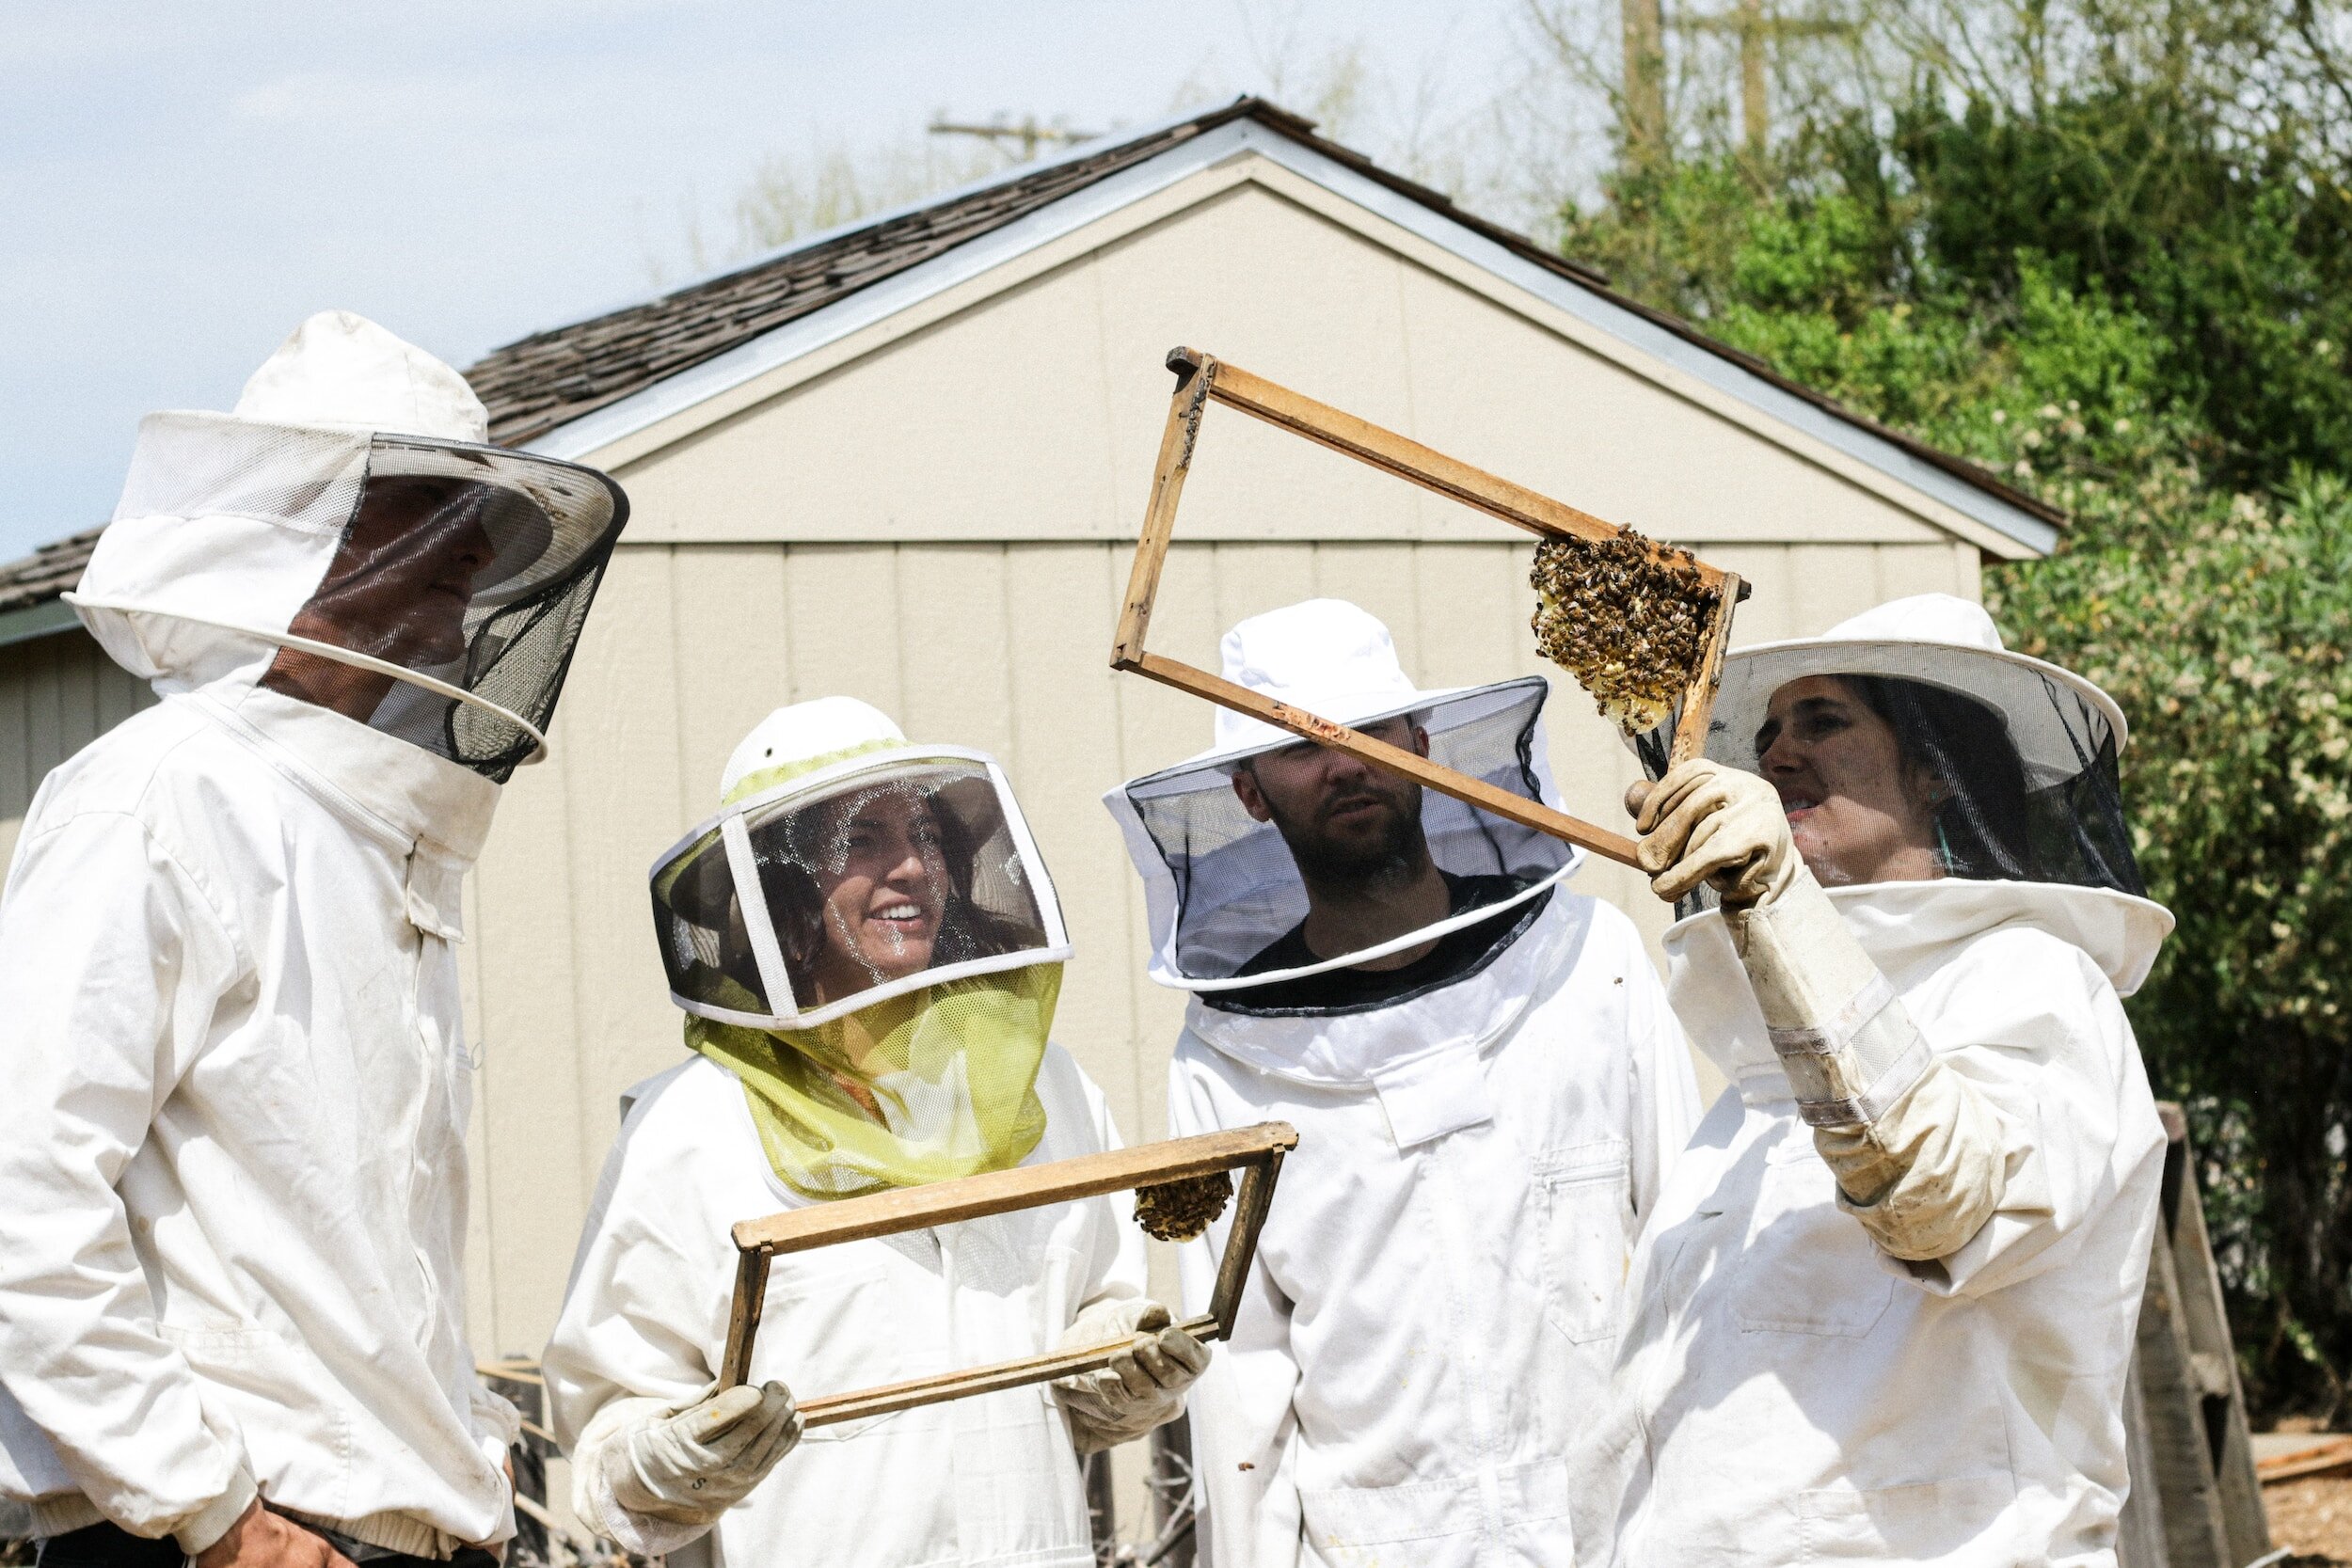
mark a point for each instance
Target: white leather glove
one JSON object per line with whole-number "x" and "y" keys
{"x": 1917, "y": 1151}
{"x": 1705, "y": 822}
{"x": 672, "y": 1472}
{"x": 1143, "y": 1387}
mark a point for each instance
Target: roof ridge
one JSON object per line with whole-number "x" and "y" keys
{"x": 550, "y": 378}
{"x": 1010, "y": 174}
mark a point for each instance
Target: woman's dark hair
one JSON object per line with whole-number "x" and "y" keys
{"x": 1982, "y": 829}
{"x": 1996, "y": 824}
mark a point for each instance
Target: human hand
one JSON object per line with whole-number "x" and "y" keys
{"x": 1144, "y": 1385}
{"x": 694, "y": 1465}
{"x": 261, "y": 1538}
{"x": 1705, "y": 822}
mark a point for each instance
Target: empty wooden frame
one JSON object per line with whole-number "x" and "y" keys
{"x": 1255, "y": 1151}
{"x": 1202, "y": 380}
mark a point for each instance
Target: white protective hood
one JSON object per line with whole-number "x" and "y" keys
{"x": 1218, "y": 886}
{"x": 228, "y": 523}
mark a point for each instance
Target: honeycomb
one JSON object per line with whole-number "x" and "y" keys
{"x": 1628, "y": 617}
{"x": 1178, "y": 1211}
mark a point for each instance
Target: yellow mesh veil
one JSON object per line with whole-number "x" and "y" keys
{"x": 924, "y": 1086}
{"x": 937, "y": 1084}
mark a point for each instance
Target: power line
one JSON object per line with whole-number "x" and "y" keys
{"x": 1028, "y": 133}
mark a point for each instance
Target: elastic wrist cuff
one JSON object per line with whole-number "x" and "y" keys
{"x": 208, "y": 1524}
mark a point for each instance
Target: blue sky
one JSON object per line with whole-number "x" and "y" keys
{"x": 185, "y": 182}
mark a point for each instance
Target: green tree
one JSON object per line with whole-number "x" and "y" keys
{"x": 2104, "y": 246}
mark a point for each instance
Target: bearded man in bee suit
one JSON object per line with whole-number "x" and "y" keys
{"x": 232, "y": 1197}
{"x": 1487, "y": 1086}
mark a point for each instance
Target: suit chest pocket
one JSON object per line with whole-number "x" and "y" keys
{"x": 1584, "y": 1198}
{"x": 854, "y": 1317}
{"x": 1809, "y": 1267}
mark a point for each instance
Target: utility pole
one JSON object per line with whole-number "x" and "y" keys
{"x": 1029, "y": 133}
{"x": 1758, "y": 32}
{"x": 1645, "y": 88}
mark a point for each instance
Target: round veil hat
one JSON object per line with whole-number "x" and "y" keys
{"x": 1936, "y": 639}
{"x": 1221, "y": 885}
{"x": 828, "y": 790}
{"x": 2027, "y": 757}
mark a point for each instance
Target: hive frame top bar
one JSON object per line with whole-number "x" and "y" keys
{"x": 1201, "y": 379}
{"x": 1256, "y": 1152}
{"x": 1118, "y": 1170}
{"x": 1401, "y": 455}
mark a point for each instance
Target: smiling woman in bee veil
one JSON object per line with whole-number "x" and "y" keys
{"x": 867, "y": 951}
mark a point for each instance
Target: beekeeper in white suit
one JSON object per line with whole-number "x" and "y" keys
{"x": 1488, "y": 1088}
{"x": 1885, "y": 1308}
{"x": 869, "y": 952}
{"x": 232, "y": 1193}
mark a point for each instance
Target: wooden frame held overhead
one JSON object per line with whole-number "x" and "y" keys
{"x": 1255, "y": 1151}
{"x": 1201, "y": 380}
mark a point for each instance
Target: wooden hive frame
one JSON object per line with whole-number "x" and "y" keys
{"x": 1255, "y": 1151}
{"x": 1201, "y": 380}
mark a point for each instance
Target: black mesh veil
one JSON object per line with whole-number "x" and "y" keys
{"x": 2023, "y": 765}
{"x": 1227, "y": 894}
{"x": 473, "y": 568}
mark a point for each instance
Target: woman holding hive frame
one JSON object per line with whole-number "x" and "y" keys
{"x": 869, "y": 953}
{"x": 1885, "y": 1307}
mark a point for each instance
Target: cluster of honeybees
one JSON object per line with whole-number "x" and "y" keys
{"x": 1628, "y": 617}
{"x": 1178, "y": 1211}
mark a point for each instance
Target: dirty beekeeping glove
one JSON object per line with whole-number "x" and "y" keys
{"x": 1705, "y": 822}
{"x": 1916, "y": 1149}
{"x": 658, "y": 1477}
{"x": 1143, "y": 1387}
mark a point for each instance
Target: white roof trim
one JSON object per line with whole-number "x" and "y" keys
{"x": 1071, "y": 153}
{"x": 674, "y": 395}
{"x": 748, "y": 361}
{"x": 1724, "y": 375}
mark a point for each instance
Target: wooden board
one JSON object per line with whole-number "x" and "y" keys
{"x": 971, "y": 1197}
{"x": 2190, "y": 1449}
{"x": 1201, "y": 380}
{"x": 1255, "y": 1151}
{"x": 1697, "y": 708}
{"x": 1395, "y": 759}
{"x": 2318, "y": 1460}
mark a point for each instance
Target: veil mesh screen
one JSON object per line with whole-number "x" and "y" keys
{"x": 1238, "y": 887}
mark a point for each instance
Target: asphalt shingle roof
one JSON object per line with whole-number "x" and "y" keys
{"x": 550, "y": 378}
{"x": 47, "y": 572}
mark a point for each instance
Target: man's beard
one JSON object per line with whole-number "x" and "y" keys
{"x": 1395, "y": 855}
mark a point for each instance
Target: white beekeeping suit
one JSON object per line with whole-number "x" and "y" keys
{"x": 1886, "y": 1305}
{"x": 869, "y": 952}
{"x": 1485, "y": 1115}
{"x": 233, "y": 1191}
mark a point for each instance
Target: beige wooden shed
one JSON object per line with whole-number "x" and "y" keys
{"x": 907, "y": 462}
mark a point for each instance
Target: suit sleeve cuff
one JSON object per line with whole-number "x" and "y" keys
{"x": 208, "y": 1524}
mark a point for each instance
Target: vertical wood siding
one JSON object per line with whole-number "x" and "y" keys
{"x": 999, "y": 646}
{"x": 58, "y": 694}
